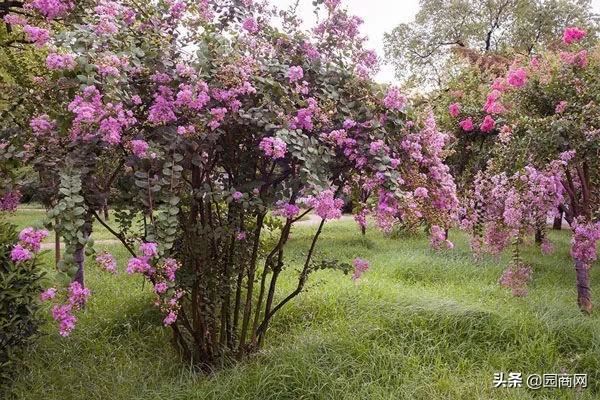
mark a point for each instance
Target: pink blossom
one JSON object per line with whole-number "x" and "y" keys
{"x": 161, "y": 287}
{"x": 39, "y": 36}
{"x": 48, "y": 294}
{"x": 107, "y": 261}
{"x": 466, "y": 124}
{"x": 516, "y": 278}
{"x": 162, "y": 110}
{"x": 438, "y": 238}
{"x": 517, "y": 77}
{"x": 66, "y": 320}
{"x": 241, "y": 236}
{"x": 547, "y": 247}
{"x": 274, "y": 148}
{"x": 487, "y": 125}
{"x": 377, "y": 146}
{"x": 42, "y": 125}
{"x": 56, "y": 61}
{"x": 138, "y": 265}
{"x": 149, "y": 249}
{"x": 15, "y": 20}
{"x": 394, "y": 99}
{"x": 10, "y": 201}
{"x": 326, "y": 205}
{"x": 421, "y": 192}
{"x": 250, "y": 25}
{"x": 295, "y": 74}
{"x": 170, "y": 319}
{"x": 286, "y": 210}
{"x": 454, "y": 109}
{"x": 52, "y": 9}
{"x": 78, "y": 295}
{"x": 218, "y": 115}
{"x": 237, "y": 196}
{"x": 360, "y": 267}
{"x": 170, "y": 267}
{"x": 573, "y": 34}
{"x": 561, "y": 107}
{"x": 32, "y": 238}
{"x": 139, "y": 148}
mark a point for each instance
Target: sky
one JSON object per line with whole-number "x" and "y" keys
{"x": 380, "y": 16}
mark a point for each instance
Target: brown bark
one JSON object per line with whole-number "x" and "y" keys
{"x": 584, "y": 295}
{"x": 557, "y": 225}
{"x": 56, "y": 248}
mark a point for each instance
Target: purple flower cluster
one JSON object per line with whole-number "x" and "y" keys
{"x": 360, "y": 267}
{"x": 272, "y": 147}
{"x": 107, "y": 262}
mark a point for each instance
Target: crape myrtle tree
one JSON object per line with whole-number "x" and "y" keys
{"x": 545, "y": 113}
{"x": 216, "y": 126}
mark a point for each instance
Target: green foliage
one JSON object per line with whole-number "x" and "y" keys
{"x": 69, "y": 216}
{"x": 19, "y": 291}
{"x": 421, "y": 51}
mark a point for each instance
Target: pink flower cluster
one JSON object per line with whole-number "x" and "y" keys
{"x": 454, "y": 110}
{"x": 52, "y": 9}
{"x": 287, "y": 210}
{"x": 394, "y": 99}
{"x": 42, "y": 125}
{"x": 272, "y": 147}
{"x": 78, "y": 295}
{"x": 304, "y": 116}
{"x": 505, "y": 207}
{"x": 30, "y": 242}
{"x": 141, "y": 265}
{"x": 139, "y": 148}
{"x": 34, "y": 34}
{"x": 56, "y": 61}
{"x": 326, "y": 205}
{"x": 573, "y": 34}
{"x": 517, "y": 77}
{"x": 250, "y": 25}
{"x": 163, "y": 281}
{"x": 584, "y": 242}
{"x": 438, "y": 238}
{"x": 360, "y": 267}
{"x": 295, "y": 74}
{"x": 10, "y": 201}
{"x": 516, "y": 277}
{"x": 93, "y": 117}
{"x": 107, "y": 262}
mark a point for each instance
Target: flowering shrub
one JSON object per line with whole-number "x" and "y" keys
{"x": 20, "y": 285}
{"x": 218, "y": 151}
{"x": 543, "y": 146}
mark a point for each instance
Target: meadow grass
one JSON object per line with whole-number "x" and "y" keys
{"x": 420, "y": 324}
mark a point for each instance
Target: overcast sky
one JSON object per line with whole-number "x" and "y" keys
{"x": 380, "y": 16}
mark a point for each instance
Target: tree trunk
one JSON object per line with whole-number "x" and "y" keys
{"x": 56, "y": 248}
{"x": 584, "y": 296}
{"x": 79, "y": 255}
{"x": 539, "y": 236}
{"x": 557, "y": 225}
{"x": 106, "y": 214}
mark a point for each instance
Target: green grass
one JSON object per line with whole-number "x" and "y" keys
{"x": 29, "y": 216}
{"x": 419, "y": 325}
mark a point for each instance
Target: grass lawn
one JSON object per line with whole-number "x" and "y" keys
{"x": 419, "y": 325}
{"x": 28, "y": 216}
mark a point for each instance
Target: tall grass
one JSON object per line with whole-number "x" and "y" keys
{"x": 419, "y": 325}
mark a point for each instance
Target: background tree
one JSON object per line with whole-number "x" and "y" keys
{"x": 422, "y": 51}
